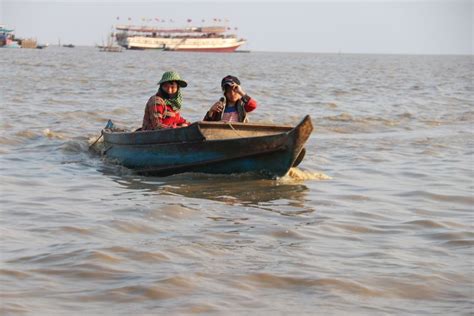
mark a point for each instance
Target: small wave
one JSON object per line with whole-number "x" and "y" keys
{"x": 7, "y": 141}
{"x": 132, "y": 294}
{"x": 340, "y": 92}
{"x": 51, "y": 134}
{"x": 100, "y": 256}
{"x": 267, "y": 280}
{"x": 202, "y": 308}
{"x": 26, "y": 134}
{"x": 343, "y": 117}
{"x": 405, "y": 115}
{"x": 426, "y": 223}
{"x": 362, "y": 122}
{"x": 74, "y": 147}
{"x": 137, "y": 255}
{"x": 459, "y": 199}
{"x": 359, "y": 229}
{"x": 158, "y": 290}
{"x": 129, "y": 227}
{"x": 432, "y": 122}
{"x": 287, "y": 234}
{"x": 467, "y": 116}
{"x": 14, "y": 309}
{"x": 448, "y": 236}
{"x": 120, "y": 111}
{"x": 468, "y": 243}
{"x": 14, "y": 273}
{"x": 75, "y": 230}
{"x": 82, "y": 271}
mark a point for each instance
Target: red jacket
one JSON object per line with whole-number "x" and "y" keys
{"x": 159, "y": 115}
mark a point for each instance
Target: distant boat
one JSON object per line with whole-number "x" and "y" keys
{"x": 7, "y": 38}
{"x": 69, "y": 46}
{"x": 111, "y": 46}
{"x": 210, "y": 147}
{"x": 191, "y": 39}
{"x": 28, "y": 43}
{"x": 110, "y": 49}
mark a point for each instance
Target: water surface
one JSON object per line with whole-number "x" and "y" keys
{"x": 376, "y": 220}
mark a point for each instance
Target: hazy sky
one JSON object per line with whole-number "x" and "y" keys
{"x": 403, "y": 26}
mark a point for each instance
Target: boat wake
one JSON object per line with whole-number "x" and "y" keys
{"x": 96, "y": 143}
{"x": 52, "y": 134}
{"x": 296, "y": 174}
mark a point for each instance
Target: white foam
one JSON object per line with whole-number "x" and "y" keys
{"x": 51, "y": 134}
{"x": 296, "y": 174}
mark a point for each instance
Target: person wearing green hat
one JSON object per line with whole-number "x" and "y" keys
{"x": 163, "y": 108}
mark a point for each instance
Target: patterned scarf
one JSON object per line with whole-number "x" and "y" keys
{"x": 175, "y": 101}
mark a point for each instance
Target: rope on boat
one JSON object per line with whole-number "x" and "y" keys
{"x": 234, "y": 130}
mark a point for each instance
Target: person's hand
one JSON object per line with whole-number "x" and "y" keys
{"x": 217, "y": 107}
{"x": 184, "y": 125}
{"x": 238, "y": 89}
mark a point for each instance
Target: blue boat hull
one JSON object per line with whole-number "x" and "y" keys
{"x": 210, "y": 147}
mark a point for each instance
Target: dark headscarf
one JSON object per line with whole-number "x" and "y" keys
{"x": 174, "y": 100}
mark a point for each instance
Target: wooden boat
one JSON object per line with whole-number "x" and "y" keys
{"x": 210, "y": 147}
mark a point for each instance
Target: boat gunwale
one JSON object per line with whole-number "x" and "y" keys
{"x": 207, "y": 124}
{"x": 196, "y": 133}
{"x": 193, "y": 141}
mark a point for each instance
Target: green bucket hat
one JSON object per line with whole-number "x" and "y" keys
{"x": 173, "y": 76}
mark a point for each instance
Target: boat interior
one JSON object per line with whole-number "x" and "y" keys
{"x": 222, "y": 130}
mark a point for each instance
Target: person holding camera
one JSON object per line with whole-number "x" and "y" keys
{"x": 234, "y": 105}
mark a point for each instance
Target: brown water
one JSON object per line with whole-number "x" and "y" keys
{"x": 376, "y": 220}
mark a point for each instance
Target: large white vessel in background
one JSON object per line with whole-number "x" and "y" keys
{"x": 196, "y": 39}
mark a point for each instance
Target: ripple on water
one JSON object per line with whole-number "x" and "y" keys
{"x": 28, "y": 134}
{"x": 75, "y": 230}
{"x": 64, "y": 258}
{"x": 132, "y": 227}
{"x": 163, "y": 289}
{"x": 14, "y": 309}
{"x": 286, "y": 234}
{"x": 461, "y": 243}
{"x": 448, "y": 236}
{"x": 8, "y": 273}
{"x": 137, "y": 255}
{"x": 367, "y": 229}
{"x": 173, "y": 211}
{"x": 425, "y": 223}
{"x": 92, "y": 272}
{"x": 8, "y": 140}
{"x": 268, "y": 280}
{"x": 458, "y": 199}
